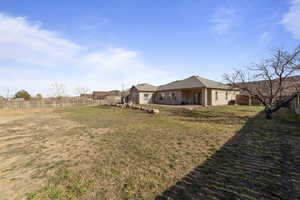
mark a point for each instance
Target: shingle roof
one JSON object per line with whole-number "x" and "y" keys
{"x": 291, "y": 85}
{"x": 193, "y": 82}
{"x": 146, "y": 87}
{"x": 106, "y": 93}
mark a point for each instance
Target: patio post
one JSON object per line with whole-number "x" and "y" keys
{"x": 204, "y": 97}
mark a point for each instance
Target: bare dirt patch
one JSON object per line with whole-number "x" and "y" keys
{"x": 8, "y": 115}
{"x": 34, "y": 143}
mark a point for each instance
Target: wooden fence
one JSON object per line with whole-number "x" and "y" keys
{"x": 54, "y": 102}
{"x": 294, "y": 105}
{"x": 245, "y": 100}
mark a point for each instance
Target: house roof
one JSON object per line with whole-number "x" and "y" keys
{"x": 106, "y": 93}
{"x": 193, "y": 82}
{"x": 291, "y": 85}
{"x": 86, "y": 95}
{"x": 19, "y": 99}
{"x": 146, "y": 87}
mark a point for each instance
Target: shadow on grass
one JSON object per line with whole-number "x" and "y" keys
{"x": 262, "y": 161}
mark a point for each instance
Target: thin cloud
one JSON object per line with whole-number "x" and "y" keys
{"x": 104, "y": 21}
{"x": 25, "y": 42}
{"x": 95, "y": 25}
{"x": 291, "y": 19}
{"x": 265, "y": 38}
{"x": 34, "y": 57}
{"x": 223, "y": 20}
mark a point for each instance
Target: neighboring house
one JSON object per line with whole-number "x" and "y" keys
{"x": 295, "y": 104}
{"x": 142, "y": 94}
{"x": 89, "y": 96}
{"x": 106, "y": 94}
{"x": 291, "y": 85}
{"x": 193, "y": 90}
{"x": 18, "y": 99}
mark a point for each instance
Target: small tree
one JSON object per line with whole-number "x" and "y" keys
{"x": 39, "y": 96}
{"x": 81, "y": 90}
{"x": 58, "y": 90}
{"x": 270, "y": 81}
{"x": 2, "y": 98}
{"x": 23, "y": 94}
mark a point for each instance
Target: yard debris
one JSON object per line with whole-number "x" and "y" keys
{"x": 132, "y": 106}
{"x": 154, "y": 111}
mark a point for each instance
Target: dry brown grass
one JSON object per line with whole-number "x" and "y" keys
{"x": 93, "y": 153}
{"x": 34, "y": 143}
{"x": 7, "y": 115}
{"x": 144, "y": 154}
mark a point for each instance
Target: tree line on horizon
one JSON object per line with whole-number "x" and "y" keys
{"x": 56, "y": 89}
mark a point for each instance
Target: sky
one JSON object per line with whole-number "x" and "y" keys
{"x": 105, "y": 45}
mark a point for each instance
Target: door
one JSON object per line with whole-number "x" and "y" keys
{"x": 198, "y": 98}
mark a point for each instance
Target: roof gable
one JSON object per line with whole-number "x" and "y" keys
{"x": 212, "y": 84}
{"x": 193, "y": 82}
{"x": 145, "y": 87}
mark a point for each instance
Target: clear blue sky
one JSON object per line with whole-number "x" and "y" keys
{"x": 104, "y": 44}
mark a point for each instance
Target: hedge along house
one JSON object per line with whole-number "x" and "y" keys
{"x": 194, "y": 90}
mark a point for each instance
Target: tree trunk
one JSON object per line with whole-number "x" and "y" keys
{"x": 268, "y": 112}
{"x": 269, "y": 109}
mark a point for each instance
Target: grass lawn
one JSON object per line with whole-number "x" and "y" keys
{"x": 222, "y": 152}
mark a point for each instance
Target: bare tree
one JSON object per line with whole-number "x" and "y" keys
{"x": 81, "y": 90}
{"x": 271, "y": 82}
{"x": 58, "y": 89}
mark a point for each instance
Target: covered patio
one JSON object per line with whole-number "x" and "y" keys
{"x": 195, "y": 96}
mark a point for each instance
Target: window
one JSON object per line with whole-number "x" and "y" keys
{"x": 173, "y": 95}
{"x": 226, "y": 95}
{"x": 160, "y": 97}
{"x": 167, "y": 96}
{"x": 146, "y": 96}
{"x": 216, "y": 96}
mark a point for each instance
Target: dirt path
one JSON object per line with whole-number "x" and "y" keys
{"x": 35, "y": 143}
